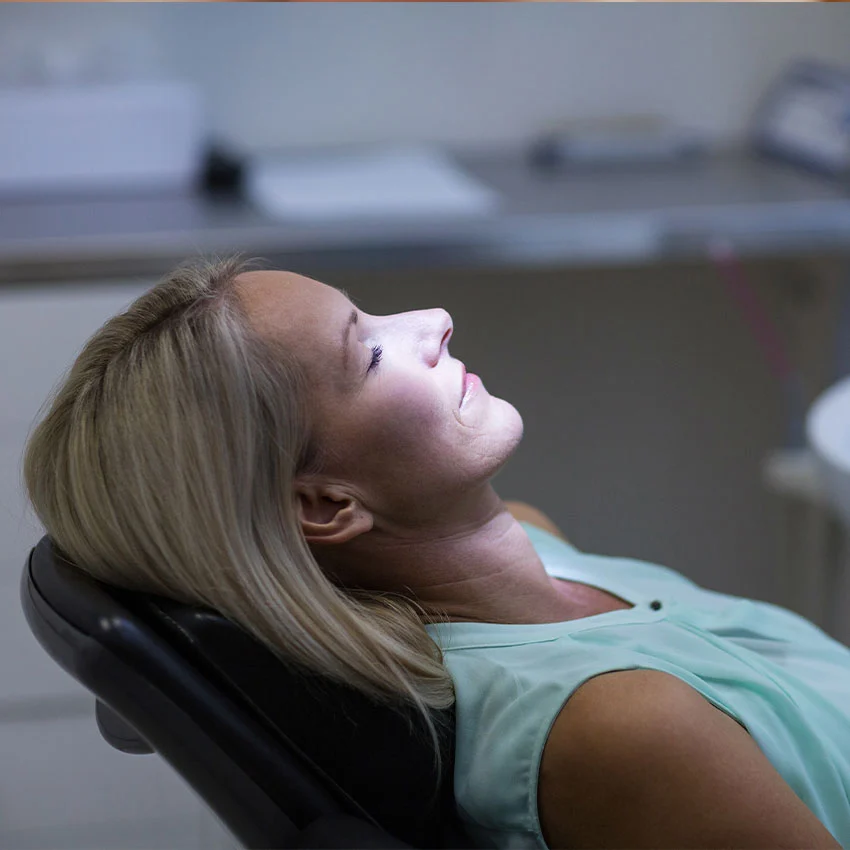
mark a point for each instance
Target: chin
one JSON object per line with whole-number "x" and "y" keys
{"x": 510, "y": 414}
{"x": 515, "y": 420}
{"x": 508, "y": 431}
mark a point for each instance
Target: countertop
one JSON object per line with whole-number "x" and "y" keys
{"x": 589, "y": 217}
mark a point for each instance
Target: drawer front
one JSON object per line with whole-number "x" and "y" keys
{"x": 60, "y": 772}
{"x": 20, "y": 529}
{"x": 152, "y": 834}
{"x": 43, "y": 330}
{"x": 41, "y": 333}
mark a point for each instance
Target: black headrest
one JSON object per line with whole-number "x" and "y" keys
{"x": 368, "y": 749}
{"x": 362, "y": 751}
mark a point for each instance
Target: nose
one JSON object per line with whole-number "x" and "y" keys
{"x": 442, "y": 332}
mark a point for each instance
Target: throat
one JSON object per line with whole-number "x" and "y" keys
{"x": 584, "y": 600}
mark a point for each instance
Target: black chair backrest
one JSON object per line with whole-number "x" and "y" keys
{"x": 271, "y": 748}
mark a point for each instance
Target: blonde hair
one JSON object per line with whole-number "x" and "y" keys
{"x": 165, "y": 464}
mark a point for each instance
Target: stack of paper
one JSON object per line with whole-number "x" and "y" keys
{"x": 386, "y": 183}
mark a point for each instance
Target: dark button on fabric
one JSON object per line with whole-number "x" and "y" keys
{"x": 655, "y": 604}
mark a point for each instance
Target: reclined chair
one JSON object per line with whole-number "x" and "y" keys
{"x": 284, "y": 758}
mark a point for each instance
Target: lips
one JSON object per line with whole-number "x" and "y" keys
{"x": 462, "y": 382}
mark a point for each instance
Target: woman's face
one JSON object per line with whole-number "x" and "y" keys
{"x": 387, "y": 399}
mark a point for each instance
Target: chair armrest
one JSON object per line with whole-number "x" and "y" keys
{"x": 117, "y": 732}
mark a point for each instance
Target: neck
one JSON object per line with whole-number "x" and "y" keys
{"x": 475, "y": 563}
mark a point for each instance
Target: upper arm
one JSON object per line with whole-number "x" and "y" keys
{"x": 526, "y": 513}
{"x": 638, "y": 759}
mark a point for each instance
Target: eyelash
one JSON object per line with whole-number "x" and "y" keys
{"x": 377, "y": 352}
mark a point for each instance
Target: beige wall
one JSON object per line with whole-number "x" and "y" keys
{"x": 648, "y": 406}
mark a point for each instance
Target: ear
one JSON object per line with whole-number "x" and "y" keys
{"x": 329, "y": 515}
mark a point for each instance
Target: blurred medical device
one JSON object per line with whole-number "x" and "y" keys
{"x": 805, "y": 119}
{"x": 616, "y": 141}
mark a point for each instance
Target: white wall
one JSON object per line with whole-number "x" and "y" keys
{"x": 301, "y": 73}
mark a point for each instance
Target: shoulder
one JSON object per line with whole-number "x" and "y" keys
{"x": 523, "y": 512}
{"x": 639, "y": 758}
{"x": 614, "y": 715}
{"x": 600, "y": 700}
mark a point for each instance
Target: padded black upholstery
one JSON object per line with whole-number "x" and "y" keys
{"x": 282, "y": 756}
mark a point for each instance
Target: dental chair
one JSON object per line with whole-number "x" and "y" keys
{"x": 283, "y": 757}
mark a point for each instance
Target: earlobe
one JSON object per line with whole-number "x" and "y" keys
{"x": 328, "y": 517}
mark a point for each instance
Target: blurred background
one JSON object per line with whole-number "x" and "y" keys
{"x": 637, "y": 215}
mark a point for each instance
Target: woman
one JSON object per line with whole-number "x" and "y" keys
{"x": 251, "y": 441}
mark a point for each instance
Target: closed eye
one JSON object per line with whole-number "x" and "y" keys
{"x": 377, "y": 353}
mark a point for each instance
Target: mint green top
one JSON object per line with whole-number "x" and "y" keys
{"x": 784, "y": 679}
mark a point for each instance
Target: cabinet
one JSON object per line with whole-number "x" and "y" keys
{"x": 62, "y": 786}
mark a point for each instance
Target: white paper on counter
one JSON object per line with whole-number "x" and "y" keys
{"x": 409, "y": 182}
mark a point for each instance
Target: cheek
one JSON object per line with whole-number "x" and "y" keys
{"x": 408, "y": 426}
{"x": 410, "y": 420}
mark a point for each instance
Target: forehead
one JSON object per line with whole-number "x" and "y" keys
{"x": 290, "y": 306}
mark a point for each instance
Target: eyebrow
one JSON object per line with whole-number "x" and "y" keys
{"x": 352, "y": 320}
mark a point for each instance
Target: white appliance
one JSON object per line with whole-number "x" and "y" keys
{"x": 828, "y": 431}
{"x": 99, "y": 137}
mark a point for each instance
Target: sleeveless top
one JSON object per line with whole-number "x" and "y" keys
{"x": 780, "y": 676}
